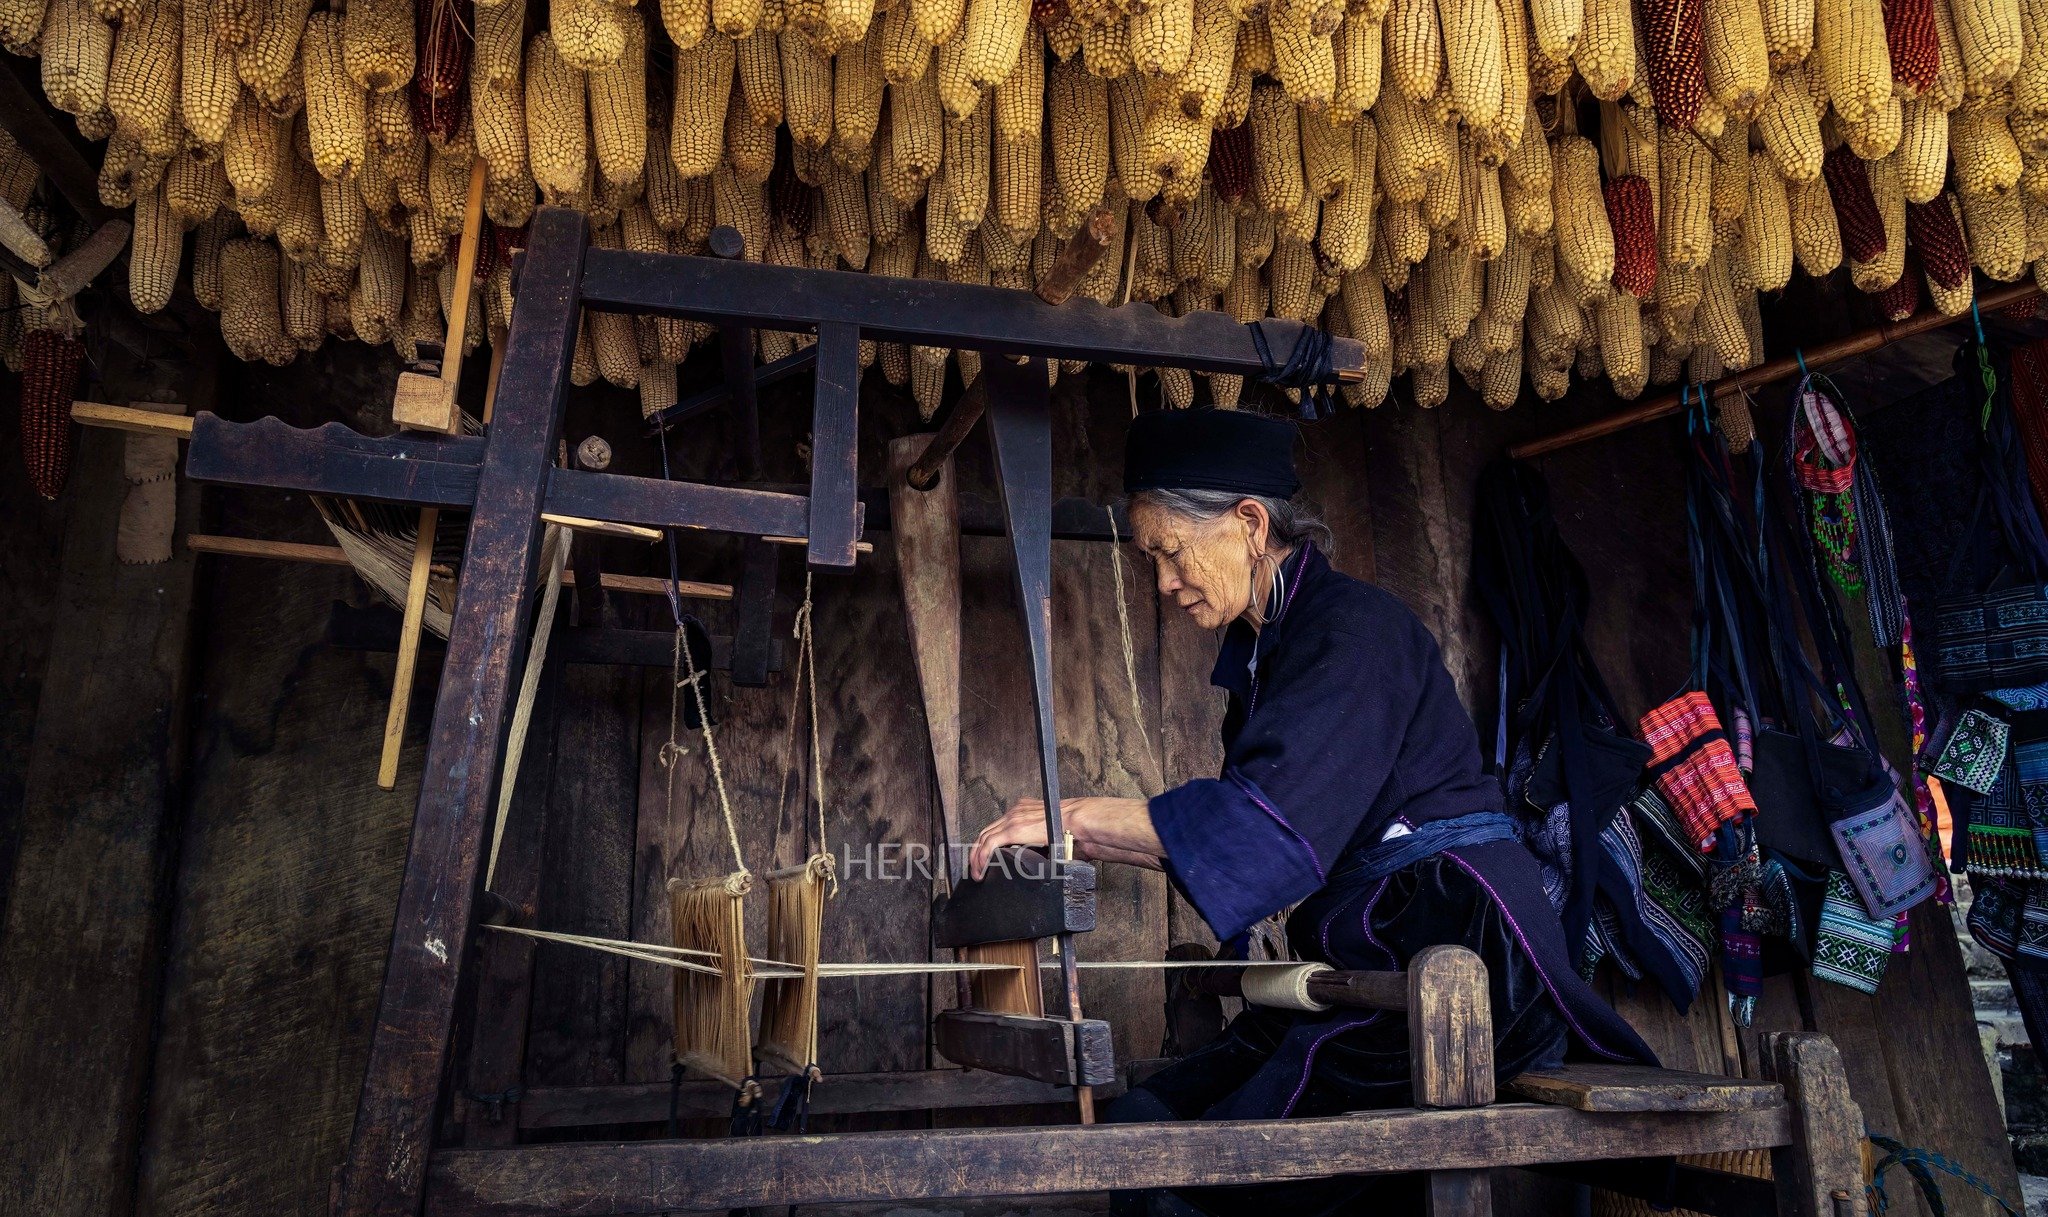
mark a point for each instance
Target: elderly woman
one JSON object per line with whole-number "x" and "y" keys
{"x": 1351, "y": 792}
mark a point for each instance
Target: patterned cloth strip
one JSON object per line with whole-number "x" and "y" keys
{"x": 2001, "y": 840}
{"x": 1852, "y": 947}
{"x": 2032, "y": 697}
{"x": 1679, "y": 914}
{"x": 1742, "y": 956}
{"x": 1821, "y": 418}
{"x": 2030, "y": 760}
{"x": 1694, "y": 768}
{"x": 2032, "y": 939}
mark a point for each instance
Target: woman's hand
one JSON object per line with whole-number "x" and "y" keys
{"x": 1104, "y": 829}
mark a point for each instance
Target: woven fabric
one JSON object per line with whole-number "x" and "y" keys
{"x": 1694, "y": 768}
{"x": 2031, "y": 938}
{"x": 2000, "y": 843}
{"x": 1742, "y": 963}
{"x": 1975, "y": 753}
{"x": 1852, "y": 947}
{"x": 2031, "y": 697}
{"x": 1996, "y": 907}
{"x": 1991, "y": 640}
{"x": 1679, "y": 915}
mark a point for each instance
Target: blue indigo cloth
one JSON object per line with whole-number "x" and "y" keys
{"x": 1343, "y": 724}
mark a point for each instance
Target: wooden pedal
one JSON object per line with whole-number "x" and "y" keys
{"x": 1051, "y": 1050}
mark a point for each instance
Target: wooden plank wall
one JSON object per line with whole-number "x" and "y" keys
{"x": 292, "y": 857}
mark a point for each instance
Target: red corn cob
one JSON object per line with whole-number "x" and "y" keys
{"x": 1230, "y": 161}
{"x": 1902, "y": 299}
{"x": 1633, "y": 216}
{"x": 444, "y": 48}
{"x": 1672, "y": 33}
{"x": 1933, "y": 234}
{"x": 49, "y": 373}
{"x": 1855, "y": 209}
{"x": 1909, "y": 36}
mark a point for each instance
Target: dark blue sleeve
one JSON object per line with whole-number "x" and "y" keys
{"x": 1316, "y": 751}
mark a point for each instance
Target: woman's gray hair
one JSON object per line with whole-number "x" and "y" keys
{"x": 1292, "y": 520}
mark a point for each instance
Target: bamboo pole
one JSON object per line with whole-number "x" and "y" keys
{"x": 332, "y": 555}
{"x": 1777, "y": 369}
{"x": 430, "y": 517}
{"x": 128, "y": 418}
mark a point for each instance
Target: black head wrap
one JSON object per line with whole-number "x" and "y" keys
{"x": 1229, "y": 450}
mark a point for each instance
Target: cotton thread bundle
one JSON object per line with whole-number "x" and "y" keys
{"x": 789, "y": 1005}
{"x": 711, "y": 1011}
{"x": 1284, "y": 988}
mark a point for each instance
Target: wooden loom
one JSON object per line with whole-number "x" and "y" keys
{"x": 396, "y": 1164}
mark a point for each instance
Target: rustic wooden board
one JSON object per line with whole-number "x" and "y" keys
{"x": 31, "y": 558}
{"x": 288, "y": 877}
{"x": 1599, "y": 1086}
{"x": 84, "y": 928}
{"x": 577, "y": 1030}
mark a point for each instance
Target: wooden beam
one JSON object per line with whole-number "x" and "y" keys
{"x": 414, "y": 468}
{"x": 79, "y": 266}
{"x": 332, "y": 555}
{"x": 55, "y": 152}
{"x": 394, "y": 1127}
{"x": 937, "y": 312}
{"x": 663, "y": 504}
{"x": 1777, "y": 369}
{"x": 1450, "y": 1061}
{"x": 595, "y": 1180}
{"x": 753, "y": 633}
{"x": 923, "y": 473}
{"x": 717, "y": 395}
{"x": 838, "y": 1094}
{"x": 835, "y": 512}
{"x": 1081, "y": 252}
{"x": 1600, "y": 1086}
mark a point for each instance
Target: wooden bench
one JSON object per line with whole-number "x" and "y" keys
{"x": 1615, "y": 1126}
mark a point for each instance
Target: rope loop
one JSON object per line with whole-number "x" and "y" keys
{"x": 1310, "y": 367}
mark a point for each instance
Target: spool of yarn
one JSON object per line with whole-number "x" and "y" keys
{"x": 1283, "y": 988}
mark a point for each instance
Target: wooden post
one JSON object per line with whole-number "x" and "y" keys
{"x": 387, "y": 1158}
{"x": 1825, "y": 1157}
{"x": 1020, "y": 431}
{"x": 1450, "y": 1047}
{"x": 408, "y": 648}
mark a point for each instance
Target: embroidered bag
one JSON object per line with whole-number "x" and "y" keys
{"x": 1852, "y": 948}
{"x": 1886, "y": 859}
{"x": 1694, "y": 768}
{"x": 1975, "y": 752}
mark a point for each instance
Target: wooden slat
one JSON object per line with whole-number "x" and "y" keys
{"x": 656, "y": 1176}
{"x": 838, "y": 1094}
{"x": 332, "y": 555}
{"x": 129, "y": 418}
{"x": 661, "y": 504}
{"x": 1450, "y": 1062}
{"x": 835, "y": 513}
{"x": 1598, "y": 1086}
{"x": 937, "y": 312}
{"x": 394, "y": 1126}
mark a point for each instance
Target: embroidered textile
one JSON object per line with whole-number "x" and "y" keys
{"x": 1975, "y": 753}
{"x": 1694, "y": 768}
{"x": 1852, "y": 947}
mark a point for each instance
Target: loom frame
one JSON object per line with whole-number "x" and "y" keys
{"x": 508, "y": 479}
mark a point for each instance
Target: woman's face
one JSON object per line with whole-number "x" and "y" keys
{"x": 1204, "y": 566}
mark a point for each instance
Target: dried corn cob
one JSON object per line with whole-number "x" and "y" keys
{"x": 77, "y": 49}
{"x": 759, "y": 64}
{"x": 194, "y": 188}
{"x": 1816, "y": 238}
{"x": 703, "y": 86}
{"x": 1685, "y": 230}
{"x": 857, "y": 102}
{"x": 1585, "y": 240}
{"x": 1936, "y": 237}
{"x": 1995, "y": 227}
{"x": 142, "y": 76}
{"x": 1606, "y": 54}
{"x": 588, "y": 34}
{"x": 1631, "y": 214}
{"x": 1737, "y": 63}
{"x": 336, "y": 111}
{"x": 557, "y": 138}
{"x": 1986, "y": 159}
{"x": 50, "y": 361}
{"x": 1862, "y": 227}
{"x": 1414, "y": 47}
{"x": 378, "y": 47}
{"x": 1878, "y": 273}
{"x": 208, "y": 82}
{"x": 807, "y": 91}
{"x": 1991, "y": 36}
{"x": 1672, "y": 41}
{"x": 1618, "y": 320}
{"x": 618, "y": 107}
